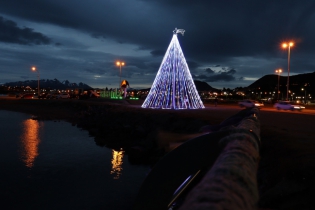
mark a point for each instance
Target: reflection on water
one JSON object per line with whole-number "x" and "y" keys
{"x": 68, "y": 170}
{"x": 30, "y": 140}
{"x": 117, "y": 162}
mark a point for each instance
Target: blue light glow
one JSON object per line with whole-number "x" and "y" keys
{"x": 173, "y": 87}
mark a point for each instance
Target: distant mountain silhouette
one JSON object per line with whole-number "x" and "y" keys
{"x": 200, "y": 86}
{"x": 266, "y": 83}
{"x": 203, "y": 86}
{"x": 296, "y": 82}
{"x": 51, "y": 84}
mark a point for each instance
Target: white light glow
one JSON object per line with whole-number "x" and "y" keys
{"x": 173, "y": 87}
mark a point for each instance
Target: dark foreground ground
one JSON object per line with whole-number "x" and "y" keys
{"x": 286, "y": 173}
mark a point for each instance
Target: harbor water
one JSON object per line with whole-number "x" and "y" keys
{"x": 54, "y": 165}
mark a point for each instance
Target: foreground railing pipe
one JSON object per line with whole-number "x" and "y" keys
{"x": 231, "y": 181}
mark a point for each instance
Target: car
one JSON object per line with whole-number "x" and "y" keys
{"x": 18, "y": 95}
{"x": 287, "y": 105}
{"x": 74, "y": 96}
{"x": 63, "y": 95}
{"x": 42, "y": 96}
{"x": 52, "y": 95}
{"x": 27, "y": 96}
{"x": 250, "y": 103}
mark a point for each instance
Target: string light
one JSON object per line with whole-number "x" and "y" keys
{"x": 173, "y": 87}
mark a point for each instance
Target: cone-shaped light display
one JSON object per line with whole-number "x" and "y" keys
{"x": 173, "y": 87}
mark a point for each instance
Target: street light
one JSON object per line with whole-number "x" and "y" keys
{"x": 304, "y": 89}
{"x": 288, "y": 45}
{"x": 120, "y": 64}
{"x": 34, "y": 69}
{"x": 279, "y": 72}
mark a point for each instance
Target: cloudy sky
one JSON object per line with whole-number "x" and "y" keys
{"x": 228, "y": 43}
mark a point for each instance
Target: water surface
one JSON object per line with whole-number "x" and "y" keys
{"x": 54, "y": 165}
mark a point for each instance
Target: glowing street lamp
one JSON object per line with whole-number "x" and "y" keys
{"x": 304, "y": 89}
{"x": 120, "y": 64}
{"x": 288, "y": 45}
{"x": 34, "y": 69}
{"x": 278, "y": 71}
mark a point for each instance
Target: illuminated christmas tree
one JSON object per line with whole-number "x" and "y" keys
{"x": 173, "y": 87}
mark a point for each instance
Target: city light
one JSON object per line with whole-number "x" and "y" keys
{"x": 305, "y": 99}
{"x": 278, "y": 71}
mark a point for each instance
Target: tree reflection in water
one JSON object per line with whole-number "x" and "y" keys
{"x": 30, "y": 141}
{"x": 117, "y": 162}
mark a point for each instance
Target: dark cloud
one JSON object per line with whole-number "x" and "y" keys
{"x": 243, "y": 34}
{"x": 212, "y": 28}
{"x": 99, "y": 71}
{"x": 49, "y": 11}
{"x": 225, "y": 75}
{"x": 230, "y": 72}
{"x": 9, "y": 32}
{"x": 220, "y": 77}
{"x": 192, "y": 64}
{"x": 216, "y": 78}
{"x": 209, "y": 70}
{"x": 157, "y": 52}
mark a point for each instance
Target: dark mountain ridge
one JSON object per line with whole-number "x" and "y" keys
{"x": 49, "y": 84}
{"x": 203, "y": 86}
{"x": 266, "y": 83}
{"x": 296, "y": 83}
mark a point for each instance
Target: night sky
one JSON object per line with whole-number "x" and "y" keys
{"x": 227, "y": 43}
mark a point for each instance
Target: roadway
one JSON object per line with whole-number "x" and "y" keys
{"x": 310, "y": 110}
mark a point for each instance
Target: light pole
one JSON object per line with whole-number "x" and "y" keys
{"x": 304, "y": 89}
{"x": 288, "y": 45}
{"x": 34, "y": 69}
{"x": 279, "y": 72}
{"x": 120, "y": 64}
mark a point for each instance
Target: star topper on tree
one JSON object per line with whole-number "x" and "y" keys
{"x": 177, "y": 31}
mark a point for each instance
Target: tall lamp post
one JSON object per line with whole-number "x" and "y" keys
{"x": 278, "y": 71}
{"x": 304, "y": 89}
{"x": 288, "y": 45}
{"x": 120, "y": 64}
{"x": 34, "y": 69}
